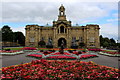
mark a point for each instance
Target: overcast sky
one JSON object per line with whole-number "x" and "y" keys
{"x": 18, "y": 14}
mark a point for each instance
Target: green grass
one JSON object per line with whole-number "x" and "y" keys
{"x": 18, "y": 48}
{"x": 111, "y": 50}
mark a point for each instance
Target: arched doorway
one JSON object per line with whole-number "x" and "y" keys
{"x": 60, "y": 41}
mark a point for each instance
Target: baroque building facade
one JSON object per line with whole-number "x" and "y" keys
{"x": 62, "y": 30}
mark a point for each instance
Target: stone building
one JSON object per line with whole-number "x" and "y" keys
{"x": 62, "y": 30}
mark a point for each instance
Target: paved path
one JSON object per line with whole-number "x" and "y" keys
{"x": 105, "y": 60}
{"x": 18, "y": 59}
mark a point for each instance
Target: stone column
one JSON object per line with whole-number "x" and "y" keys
{"x": 36, "y": 37}
{"x": 97, "y": 43}
{"x": 87, "y": 36}
{"x": 54, "y": 32}
{"x": 27, "y": 37}
{"x": 67, "y": 32}
{"x": 59, "y": 30}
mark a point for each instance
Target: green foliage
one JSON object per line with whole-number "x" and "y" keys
{"x": 107, "y": 43}
{"x": 19, "y": 38}
{"x": 9, "y": 36}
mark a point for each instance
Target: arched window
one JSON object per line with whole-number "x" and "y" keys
{"x": 62, "y": 29}
{"x": 62, "y": 13}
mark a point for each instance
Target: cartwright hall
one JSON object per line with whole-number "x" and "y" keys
{"x": 62, "y": 31}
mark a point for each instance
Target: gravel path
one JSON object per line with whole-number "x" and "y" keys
{"x": 21, "y": 58}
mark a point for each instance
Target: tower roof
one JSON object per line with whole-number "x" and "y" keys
{"x": 62, "y": 8}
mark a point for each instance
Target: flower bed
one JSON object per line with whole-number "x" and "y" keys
{"x": 78, "y": 52}
{"x": 58, "y": 53}
{"x": 29, "y": 48}
{"x": 88, "y": 56}
{"x": 47, "y": 52}
{"x": 95, "y": 50}
{"x": 61, "y": 57}
{"x": 35, "y": 55}
{"x": 11, "y": 52}
{"x": 109, "y": 54}
{"x": 56, "y": 49}
{"x": 59, "y": 70}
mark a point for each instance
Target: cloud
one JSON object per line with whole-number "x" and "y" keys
{"x": 59, "y": 0}
{"x": 112, "y": 20}
{"x": 20, "y": 29}
{"x": 44, "y": 12}
{"x": 109, "y": 30}
{"x": 115, "y": 15}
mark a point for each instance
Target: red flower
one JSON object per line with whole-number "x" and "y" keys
{"x": 56, "y": 69}
{"x": 88, "y": 56}
{"x": 29, "y": 48}
{"x": 35, "y": 55}
{"x": 61, "y": 57}
{"x": 58, "y": 53}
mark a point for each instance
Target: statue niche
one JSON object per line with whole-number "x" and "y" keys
{"x": 49, "y": 44}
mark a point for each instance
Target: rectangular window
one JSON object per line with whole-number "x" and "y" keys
{"x": 32, "y": 39}
{"x": 92, "y": 45}
{"x": 42, "y": 39}
{"x": 80, "y": 39}
{"x": 92, "y": 39}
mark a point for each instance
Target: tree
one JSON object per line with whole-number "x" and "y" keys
{"x": 19, "y": 37}
{"x": 7, "y": 34}
{"x": 101, "y": 40}
{"x": 105, "y": 44}
{"x": 0, "y": 35}
{"x": 112, "y": 40}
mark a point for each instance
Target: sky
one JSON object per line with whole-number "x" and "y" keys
{"x": 18, "y": 14}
